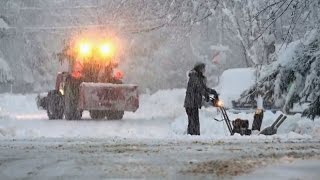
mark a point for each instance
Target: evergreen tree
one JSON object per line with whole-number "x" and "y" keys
{"x": 296, "y": 81}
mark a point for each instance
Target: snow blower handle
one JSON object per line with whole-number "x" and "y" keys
{"x": 219, "y": 104}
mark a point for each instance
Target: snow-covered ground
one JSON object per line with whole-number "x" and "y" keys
{"x": 160, "y": 116}
{"x": 287, "y": 169}
{"x": 107, "y": 158}
{"x": 149, "y": 143}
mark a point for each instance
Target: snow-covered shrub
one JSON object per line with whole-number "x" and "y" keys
{"x": 290, "y": 81}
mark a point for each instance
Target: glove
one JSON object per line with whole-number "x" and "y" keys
{"x": 216, "y": 96}
{"x": 214, "y": 93}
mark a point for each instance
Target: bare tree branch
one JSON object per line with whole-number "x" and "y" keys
{"x": 293, "y": 23}
{"x": 275, "y": 13}
{"x": 267, "y": 7}
{"x": 273, "y": 21}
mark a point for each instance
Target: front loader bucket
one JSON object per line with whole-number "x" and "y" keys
{"x": 105, "y": 96}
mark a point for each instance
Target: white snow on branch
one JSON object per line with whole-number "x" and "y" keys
{"x": 286, "y": 55}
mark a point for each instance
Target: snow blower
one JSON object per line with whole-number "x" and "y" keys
{"x": 241, "y": 126}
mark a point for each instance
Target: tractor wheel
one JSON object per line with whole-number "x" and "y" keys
{"x": 115, "y": 115}
{"x": 71, "y": 98}
{"x": 55, "y": 105}
{"x": 97, "y": 114}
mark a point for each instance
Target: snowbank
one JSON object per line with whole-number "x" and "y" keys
{"x": 295, "y": 126}
{"x": 162, "y": 104}
{"x": 17, "y": 104}
{"x": 161, "y": 116}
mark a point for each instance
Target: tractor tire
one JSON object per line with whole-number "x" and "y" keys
{"x": 97, "y": 114}
{"x": 71, "y": 99}
{"x": 55, "y": 105}
{"x": 115, "y": 115}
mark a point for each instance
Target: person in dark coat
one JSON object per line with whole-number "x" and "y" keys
{"x": 196, "y": 91}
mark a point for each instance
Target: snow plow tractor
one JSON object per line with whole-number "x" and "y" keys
{"x": 92, "y": 82}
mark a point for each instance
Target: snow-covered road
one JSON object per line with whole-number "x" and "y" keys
{"x": 149, "y": 143}
{"x": 132, "y": 158}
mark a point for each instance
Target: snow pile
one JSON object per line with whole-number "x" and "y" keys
{"x": 166, "y": 104}
{"x": 233, "y": 82}
{"x": 208, "y": 126}
{"x": 295, "y": 126}
{"x": 11, "y": 107}
{"x": 17, "y": 104}
{"x": 161, "y": 116}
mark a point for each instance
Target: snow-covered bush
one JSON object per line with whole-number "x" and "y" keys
{"x": 292, "y": 80}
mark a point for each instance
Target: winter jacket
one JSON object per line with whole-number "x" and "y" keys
{"x": 196, "y": 90}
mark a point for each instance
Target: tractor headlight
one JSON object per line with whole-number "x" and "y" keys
{"x": 85, "y": 49}
{"x": 106, "y": 50}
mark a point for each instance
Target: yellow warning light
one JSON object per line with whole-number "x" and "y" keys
{"x": 85, "y": 49}
{"x": 106, "y": 50}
